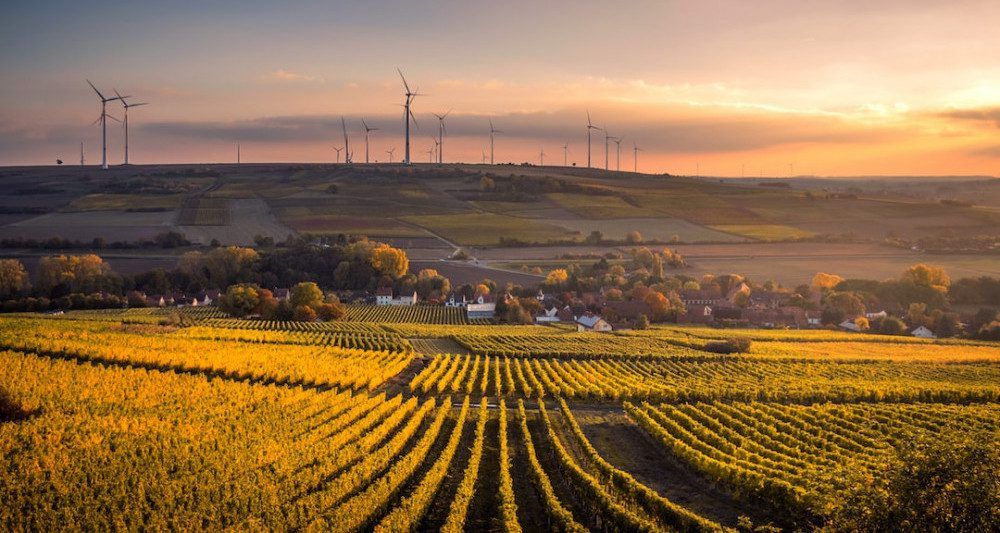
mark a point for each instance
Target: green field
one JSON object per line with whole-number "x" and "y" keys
{"x": 484, "y": 229}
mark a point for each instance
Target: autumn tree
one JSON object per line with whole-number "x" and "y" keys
{"x": 304, "y": 313}
{"x": 823, "y": 281}
{"x": 240, "y": 300}
{"x": 633, "y": 237}
{"x": 77, "y": 273}
{"x": 556, "y": 278}
{"x": 389, "y": 261}
{"x": 306, "y": 294}
{"x": 13, "y": 278}
{"x": 432, "y": 285}
{"x": 928, "y": 276}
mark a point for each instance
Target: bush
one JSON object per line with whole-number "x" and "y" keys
{"x": 304, "y": 313}
{"x": 728, "y": 346}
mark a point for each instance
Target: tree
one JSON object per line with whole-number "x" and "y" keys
{"x": 642, "y": 322}
{"x": 306, "y": 294}
{"x": 928, "y": 276}
{"x": 304, "y": 313}
{"x": 862, "y": 323}
{"x": 13, "y": 278}
{"x": 939, "y": 483}
{"x": 77, "y": 273}
{"x": 824, "y": 282}
{"x": 891, "y": 325}
{"x": 487, "y": 184}
{"x": 390, "y": 261}
{"x": 848, "y": 303}
{"x": 594, "y": 238}
{"x": 659, "y": 305}
{"x": 267, "y": 304}
{"x": 330, "y": 311}
{"x": 633, "y": 237}
{"x": 556, "y": 278}
{"x": 240, "y": 300}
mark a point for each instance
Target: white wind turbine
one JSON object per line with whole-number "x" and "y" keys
{"x": 407, "y": 115}
{"x": 367, "y": 131}
{"x": 541, "y": 157}
{"x": 441, "y": 131}
{"x": 565, "y": 148}
{"x": 103, "y": 119}
{"x": 607, "y": 138}
{"x": 336, "y": 149}
{"x": 430, "y": 154}
{"x": 590, "y": 126}
{"x": 126, "y": 106}
{"x": 493, "y": 132}
{"x": 437, "y": 148}
{"x": 635, "y": 157}
{"x": 390, "y": 151}
{"x": 484, "y": 156}
{"x": 347, "y": 142}
{"x": 618, "y": 158}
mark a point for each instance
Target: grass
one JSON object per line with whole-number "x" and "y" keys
{"x": 483, "y": 229}
{"x": 124, "y": 202}
{"x": 600, "y": 206}
{"x": 350, "y": 225}
{"x": 765, "y": 232}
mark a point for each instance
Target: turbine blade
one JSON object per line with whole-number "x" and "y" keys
{"x": 95, "y": 90}
{"x": 404, "y": 80}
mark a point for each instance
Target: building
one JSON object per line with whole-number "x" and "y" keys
{"x": 696, "y": 314}
{"x": 456, "y": 300}
{"x": 592, "y": 322}
{"x": 281, "y": 294}
{"x": 780, "y": 317}
{"x": 484, "y": 306}
{"x": 701, "y": 296}
{"x": 548, "y": 316}
{"x": 383, "y": 296}
{"x": 923, "y": 333}
{"x": 849, "y": 325}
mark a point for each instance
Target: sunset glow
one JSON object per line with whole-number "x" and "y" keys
{"x": 722, "y": 88}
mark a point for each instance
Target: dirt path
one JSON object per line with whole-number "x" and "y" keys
{"x": 626, "y": 446}
{"x": 437, "y": 346}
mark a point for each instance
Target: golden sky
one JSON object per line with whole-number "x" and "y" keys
{"x": 762, "y": 88}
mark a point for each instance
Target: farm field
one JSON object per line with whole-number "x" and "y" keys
{"x": 370, "y": 424}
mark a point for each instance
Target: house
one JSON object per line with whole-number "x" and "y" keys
{"x": 781, "y": 317}
{"x": 280, "y": 294}
{"x": 696, "y": 314}
{"x": 548, "y": 316}
{"x": 701, "y": 296}
{"x": 592, "y": 322}
{"x": 923, "y": 333}
{"x": 383, "y": 296}
{"x": 814, "y": 318}
{"x": 408, "y": 299}
{"x": 762, "y": 299}
{"x": 456, "y": 300}
{"x": 156, "y": 300}
{"x": 566, "y": 314}
{"x": 483, "y": 306}
{"x": 629, "y": 311}
{"x": 876, "y": 316}
{"x": 849, "y": 325}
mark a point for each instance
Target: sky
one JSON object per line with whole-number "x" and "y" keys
{"x": 726, "y": 88}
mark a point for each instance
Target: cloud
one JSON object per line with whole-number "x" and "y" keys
{"x": 986, "y": 114}
{"x": 670, "y": 130}
{"x": 989, "y": 151}
{"x": 283, "y": 75}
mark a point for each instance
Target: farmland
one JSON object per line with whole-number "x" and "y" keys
{"x": 370, "y": 424}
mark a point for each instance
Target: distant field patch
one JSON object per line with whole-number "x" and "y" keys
{"x": 487, "y": 228}
{"x": 205, "y": 212}
{"x": 126, "y": 202}
{"x": 653, "y": 229}
{"x": 600, "y": 206}
{"x": 371, "y": 226}
{"x": 765, "y": 232}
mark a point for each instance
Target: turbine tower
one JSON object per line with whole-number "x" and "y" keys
{"x": 82, "y": 160}
{"x": 635, "y": 157}
{"x": 565, "y": 148}
{"x": 126, "y": 106}
{"x": 606, "y": 139}
{"x": 103, "y": 119}
{"x": 484, "y": 156}
{"x": 541, "y": 157}
{"x": 590, "y": 126}
{"x": 367, "y": 131}
{"x": 430, "y": 155}
{"x": 347, "y": 143}
{"x": 441, "y": 132}
{"x": 437, "y": 148}
{"x": 237, "y": 153}
{"x": 407, "y": 115}
{"x": 390, "y": 152}
{"x": 493, "y": 132}
{"x": 618, "y": 158}
{"x": 336, "y": 149}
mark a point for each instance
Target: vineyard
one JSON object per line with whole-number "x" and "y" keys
{"x": 422, "y": 314}
{"x": 120, "y": 420}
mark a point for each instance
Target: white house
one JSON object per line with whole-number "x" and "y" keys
{"x": 591, "y": 322}
{"x": 409, "y": 299}
{"x": 849, "y": 325}
{"x": 383, "y": 296}
{"x": 876, "y": 316}
{"x": 456, "y": 300}
{"x": 548, "y": 315}
{"x": 923, "y": 333}
{"x": 483, "y": 306}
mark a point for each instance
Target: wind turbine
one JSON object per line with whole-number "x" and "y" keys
{"x": 126, "y": 106}
{"x": 437, "y": 148}
{"x": 430, "y": 154}
{"x": 606, "y": 139}
{"x": 338, "y": 153}
{"x": 484, "y": 156}
{"x": 635, "y": 157}
{"x": 618, "y": 158}
{"x": 367, "y": 131}
{"x": 565, "y": 148}
{"x": 347, "y": 143}
{"x": 82, "y": 160}
{"x": 390, "y": 152}
{"x": 103, "y": 119}
{"x": 407, "y": 115}
{"x": 237, "y": 152}
{"x": 493, "y": 132}
{"x": 590, "y": 126}
{"x": 541, "y": 157}
{"x": 441, "y": 132}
